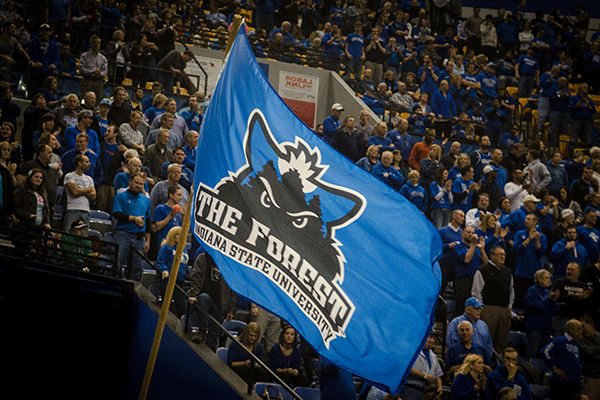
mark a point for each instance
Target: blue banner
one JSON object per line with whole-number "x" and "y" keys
{"x": 307, "y": 234}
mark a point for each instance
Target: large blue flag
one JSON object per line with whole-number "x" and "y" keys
{"x": 305, "y": 233}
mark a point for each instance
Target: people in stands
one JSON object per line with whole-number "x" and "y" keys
{"x": 178, "y": 157}
{"x": 457, "y": 353}
{"x": 133, "y": 213}
{"x": 158, "y": 153}
{"x": 129, "y": 134}
{"x": 388, "y": 174}
{"x": 164, "y": 262}
{"x": 80, "y": 192}
{"x": 563, "y": 356}
{"x": 573, "y": 300}
{"x": 239, "y": 360}
{"x": 32, "y": 209}
{"x": 425, "y": 372}
{"x": 286, "y": 358}
{"x": 82, "y": 147}
{"x": 506, "y": 375}
{"x": 481, "y": 334}
{"x": 159, "y": 193}
{"x": 470, "y": 379}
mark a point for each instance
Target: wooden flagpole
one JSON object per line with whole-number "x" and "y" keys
{"x": 185, "y": 226}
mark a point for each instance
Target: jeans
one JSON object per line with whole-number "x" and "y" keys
{"x": 543, "y": 107}
{"x": 126, "y": 241}
{"x": 535, "y": 342}
{"x": 207, "y": 304}
{"x": 559, "y": 125}
{"x": 526, "y": 85}
{"x": 440, "y": 217}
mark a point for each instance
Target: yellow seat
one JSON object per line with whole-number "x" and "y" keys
{"x": 148, "y": 85}
{"x": 405, "y": 115}
{"x": 512, "y": 90}
{"x": 564, "y": 144}
{"x": 127, "y": 82}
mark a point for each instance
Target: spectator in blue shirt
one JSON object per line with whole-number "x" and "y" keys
{"x": 386, "y": 173}
{"x": 562, "y": 355}
{"x": 355, "y": 51}
{"x": 527, "y": 72}
{"x": 414, "y": 192}
{"x": 560, "y": 99}
{"x": 582, "y": 111}
{"x": 332, "y": 123}
{"x": 428, "y": 75}
{"x": 508, "y": 33}
{"x": 489, "y": 84}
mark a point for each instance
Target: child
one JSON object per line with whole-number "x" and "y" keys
{"x": 415, "y": 193}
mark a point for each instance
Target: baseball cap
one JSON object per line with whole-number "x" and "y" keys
{"x": 473, "y": 302}
{"x": 44, "y": 26}
{"x": 106, "y": 101}
{"x": 491, "y": 64}
{"x": 85, "y": 113}
{"x": 338, "y": 107}
{"x": 531, "y": 197}
{"x": 487, "y": 169}
{"x": 78, "y": 224}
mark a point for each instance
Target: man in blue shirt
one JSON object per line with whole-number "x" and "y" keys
{"x": 559, "y": 99}
{"x": 507, "y": 375}
{"x": 470, "y": 255}
{"x": 527, "y": 72}
{"x": 132, "y": 211}
{"x": 332, "y": 123}
{"x": 489, "y": 84}
{"x": 451, "y": 235}
{"x": 355, "y": 52}
{"x": 386, "y": 173}
{"x": 582, "y": 111}
{"x": 562, "y": 355}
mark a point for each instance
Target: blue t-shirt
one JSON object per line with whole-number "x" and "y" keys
{"x": 160, "y": 213}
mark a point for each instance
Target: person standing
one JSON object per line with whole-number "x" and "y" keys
{"x": 80, "y": 191}
{"x": 93, "y": 67}
{"x": 132, "y": 211}
{"x": 332, "y": 123}
{"x": 493, "y": 286}
{"x": 562, "y": 355}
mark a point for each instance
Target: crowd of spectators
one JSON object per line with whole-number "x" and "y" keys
{"x": 513, "y": 214}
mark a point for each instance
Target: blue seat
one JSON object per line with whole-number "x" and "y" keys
{"x": 543, "y": 368}
{"x": 541, "y": 392}
{"x": 95, "y": 234}
{"x": 99, "y": 215}
{"x": 222, "y": 353}
{"x": 274, "y": 390}
{"x": 234, "y": 325}
{"x": 517, "y": 338}
{"x": 308, "y": 393}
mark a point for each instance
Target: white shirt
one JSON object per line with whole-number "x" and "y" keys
{"x": 83, "y": 181}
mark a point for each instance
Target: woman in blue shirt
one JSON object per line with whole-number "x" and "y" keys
{"x": 286, "y": 358}
{"x": 441, "y": 198}
{"x": 470, "y": 380}
{"x": 492, "y": 232}
{"x": 240, "y": 361}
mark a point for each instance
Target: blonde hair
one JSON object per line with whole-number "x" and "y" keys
{"x": 170, "y": 239}
{"x": 252, "y": 327}
{"x": 439, "y": 151}
{"x": 468, "y": 363}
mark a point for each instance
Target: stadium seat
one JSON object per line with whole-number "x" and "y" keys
{"x": 543, "y": 368}
{"x": 274, "y": 390}
{"x": 512, "y": 90}
{"x": 100, "y": 215}
{"x": 222, "y": 353}
{"x": 517, "y": 338}
{"x": 541, "y": 392}
{"x": 308, "y": 393}
{"x": 101, "y": 226}
{"x": 95, "y": 234}
{"x": 234, "y": 325}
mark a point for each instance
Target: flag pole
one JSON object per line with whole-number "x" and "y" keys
{"x": 185, "y": 226}
{"x": 164, "y": 311}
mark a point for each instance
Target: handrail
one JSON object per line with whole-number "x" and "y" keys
{"x": 45, "y": 248}
{"x": 180, "y": 40}
{"x": 225, "y": 331}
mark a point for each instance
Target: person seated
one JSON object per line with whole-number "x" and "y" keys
{"x": 178, "y": 157}
{"x": 241, "y": 362}
{"x": 286, "y": 358}
{"x": 470, "y": 380}
{"x": 425, "y": 372}
{"x": 77, "y": 247}
{"x": 457, "y": 353}
{"x": 507, "y": 375}
{"x": 386, "y": 173}
{"x": 481, "y": 333}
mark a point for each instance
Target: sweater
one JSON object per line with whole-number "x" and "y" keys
{"x": 563, "y": 353}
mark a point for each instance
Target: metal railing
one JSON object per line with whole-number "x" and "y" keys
{"x": 60, "y": 248}
{"x": 224, "y": 331}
